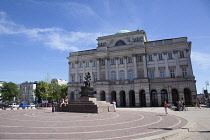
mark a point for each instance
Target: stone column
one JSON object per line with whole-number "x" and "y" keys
{"x": 69, "y": 71}
{"x": 84, "y": 69}
{"x": 166, "y": 65}
{"x": 107, "y": 69}
{"x": 159, "y": 99}
{"x": 98, "y": 69}
{"x": 91, "y": 69}
{"x": 118, "y": 98}
{"x": 156, "y": 66}
{"x": 137, "y": 98}
{"x": 76, "y": 71}
{"x": 126, "y": 69}
{"x": 189, "y": 68}
{"x": 147, "y": 96}
{"x": 178, "y": 71}
{"x": 135, "y": 66}
{"x": 117, "y": 69}
{"x": 145, "y": 66}
{"x": 127, "y": 99}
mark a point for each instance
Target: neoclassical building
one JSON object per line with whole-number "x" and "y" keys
{"x": 133, "y": 71}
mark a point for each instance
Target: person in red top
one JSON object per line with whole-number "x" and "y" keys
{"x": 166, "y": 107}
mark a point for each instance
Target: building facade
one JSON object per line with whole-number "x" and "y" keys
{"x": 133, "y": 71}
{"x": 27, "y": 91}
{"x": 59, "y": 81}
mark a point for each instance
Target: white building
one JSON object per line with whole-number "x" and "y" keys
{"x": 60, "y": 81}
{"x": 27, "y": 91}
{"x": 128, "y": 68}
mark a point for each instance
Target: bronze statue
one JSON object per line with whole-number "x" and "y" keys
{"x": 87, "y": 80}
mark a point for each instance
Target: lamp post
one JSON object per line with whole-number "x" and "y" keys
{"x": 207, "y": 83}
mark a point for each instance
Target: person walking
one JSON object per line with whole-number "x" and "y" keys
{"x": 114, "y": 105}
{"x": 166, "y": 107}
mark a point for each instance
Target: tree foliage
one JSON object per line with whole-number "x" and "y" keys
{"x": 50, "y": 91}
{"x": 9, "y": 91}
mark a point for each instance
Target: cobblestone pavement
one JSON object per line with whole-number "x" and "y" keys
{"x": 137, "y": 123}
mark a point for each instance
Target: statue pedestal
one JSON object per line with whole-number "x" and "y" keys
{"x": 86, "y": 105}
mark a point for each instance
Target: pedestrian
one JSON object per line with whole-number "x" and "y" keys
{"x": 114, "y": 105}
{"x": 53, "y": 107}
{"x": 166, "y": 107}
{"x": 199, "y": 104}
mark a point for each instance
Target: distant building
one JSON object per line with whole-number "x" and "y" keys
{"x": 60, "y": 81}
{"x": 27, "y": 91}
{"x": 128, "y": 68}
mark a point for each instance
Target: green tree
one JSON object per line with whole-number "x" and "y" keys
{"x": 55, "y": 91}
{"x": 42, "y": 90}
{"x": 9, "y": 91}
{"x": 64, "y": 91}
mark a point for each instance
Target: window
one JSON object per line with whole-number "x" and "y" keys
{"x": 72, "y": 65}
{"x": 181, "y": 53}
{"x": 121, "y": 60}
{"x": 160, "y": 56}
{"x": 122, "y": 77}
{"x": 151, "y": 74}
{"x": 80, "y": 64}
{"x": 80, "y": 79}
{"x": 73, "y": 78}
{"x": 150, "y": 57}
{"x": 172, "y": 73}
{"x": 94, "y": 63}
{"x": 162, "y": 74}
{"x": 120, "y": 42}
{"x": 170, "y": 56}
{"x": 87, "y": 64}
{"x": 129, "y": 59}
{"x": 184, "y": 72}
{"x": 130, "y": 75}
{"x": 112, "y": 61}
{"x": 113, "y": 75}
{"x": 102, "y": 62}
{"x": 138, "y": 58}
{"x": 94, "y": 77}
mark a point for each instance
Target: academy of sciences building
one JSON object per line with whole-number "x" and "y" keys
{"x": 135, "y": 72}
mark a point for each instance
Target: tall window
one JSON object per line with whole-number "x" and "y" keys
{"x": 181, "y": 53}
{"x": 122, "y": 75}
{"x": 150, "y": 57}
{"x": 112, "y": 61}
{"x": 87, "y": 64}
{"x": 130, "y": 75}
{"x": 184, "y": 72}
{"x": 95, "y": 77}
{"x": 94, "y": 63}
{"x": 162, "y": 74}
{"x": 160, "y": 56}
{"x": 80, "y": 64}
{"x": 172, "y": 73}
{"x": 138, "y": 58}
{"x": 151, "y": 74}
{"x": 102, "y": 62}
{"x": 121, "y": 60}
{"x": 170, "y": 56}
{"x": 73, "y": 78}
{"x": 80, "y": 79}
{"x": 113, "y": 75}
{"x": 129, "y": 59}
{"x": 72, "y": 65}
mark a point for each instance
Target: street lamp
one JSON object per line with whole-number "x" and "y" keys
{"x": 207, "y": 83}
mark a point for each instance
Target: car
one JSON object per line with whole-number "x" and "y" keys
{"x": 44, "y": 105}
{"x": 4, "y": 106}
{"x": 24, "y": 105}
{"x": 13, "y": 105}
{"x": 32, "y": 105}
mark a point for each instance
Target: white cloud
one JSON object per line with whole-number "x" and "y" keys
{"x": 201, "y": 60}
{"x": 55, "y": 38}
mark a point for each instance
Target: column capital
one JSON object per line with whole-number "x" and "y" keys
{"x": 134, "y": 55}
{"x": 187, "y": 50}
{"x": 175, "y": 52}
{"x": 116, "y": 58}
{"x": 125, "y": 57}
{"x": 165, "y": 53}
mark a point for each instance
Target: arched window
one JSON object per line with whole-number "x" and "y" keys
{"x": 122, "y": 76}
{"x": 120, "y": 42}
{"x": 113, "y": 75}
{"x": 130, "y": 75}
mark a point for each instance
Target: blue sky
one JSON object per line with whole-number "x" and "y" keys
{"x": 36, "y": 36}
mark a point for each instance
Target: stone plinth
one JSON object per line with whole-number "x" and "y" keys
{"x": 86, "y": 105}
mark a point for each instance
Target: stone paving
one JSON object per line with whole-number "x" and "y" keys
{"x": 126, "y": 123}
